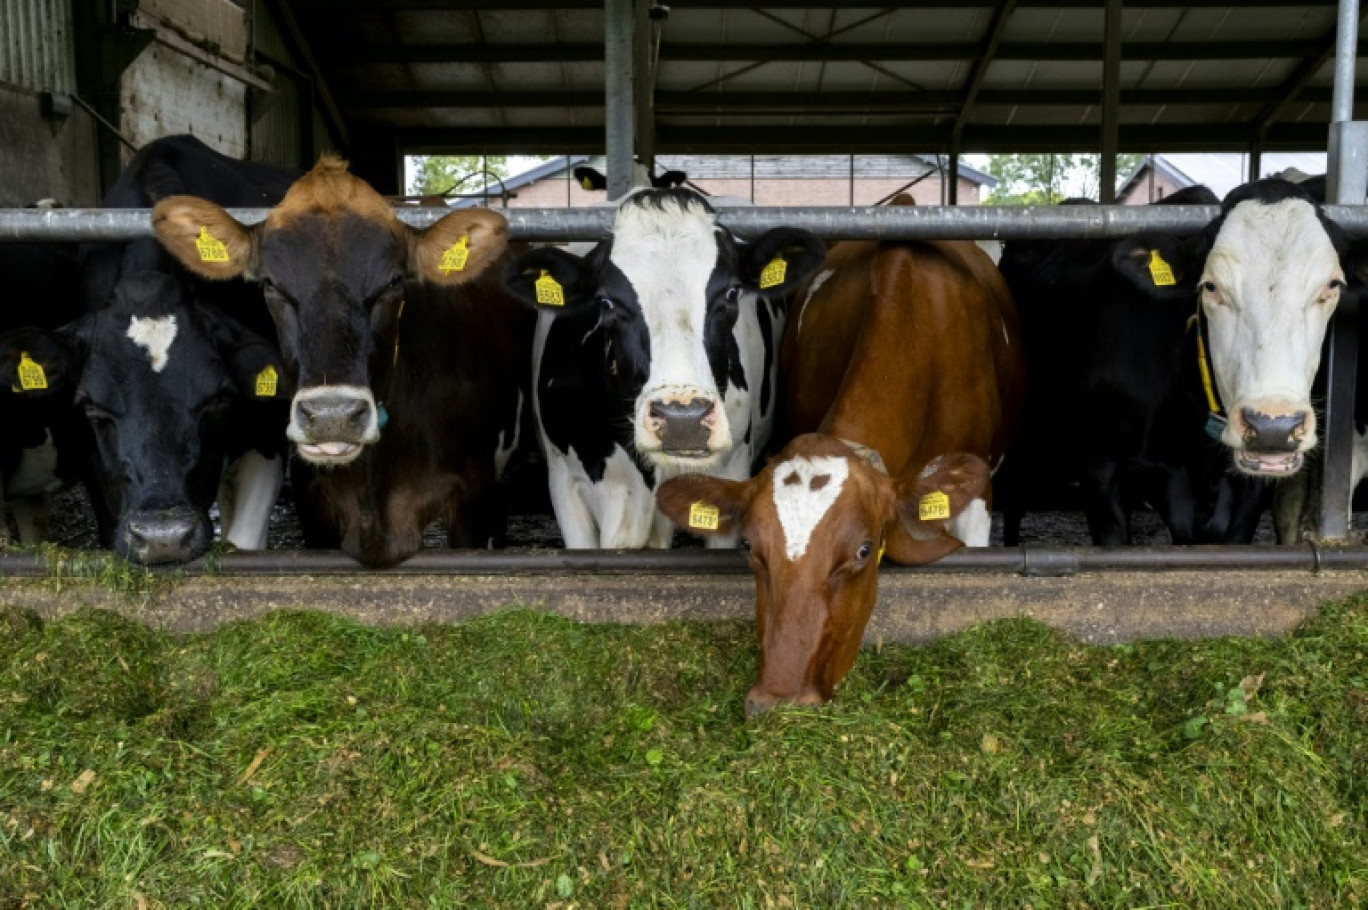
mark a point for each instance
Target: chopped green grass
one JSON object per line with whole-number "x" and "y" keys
{"x": 523, "y": 760}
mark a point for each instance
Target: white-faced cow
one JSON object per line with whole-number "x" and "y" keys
{"x": 654, "y": 355}
{"x": 906, "y": 361}
{"x": 156, "y": 373}
{"x": 410, "y": 370}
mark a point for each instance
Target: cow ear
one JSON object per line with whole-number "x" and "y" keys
{"x": 40, "y": 364}
{"x": 1160, "y": 265}
{"x": 780, "y": 260}
{"x": 458, "y": 247}
{"x": 550, "y": 279}
{"x": 590, "y": 179}
{"x": 206, "y": 239}
{"x": 704, "y": 505}
{"x": 928, "y": 499}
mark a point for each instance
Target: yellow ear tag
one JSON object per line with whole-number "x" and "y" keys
{"x": 883, "y": 547}
{"x": 587, "y": 183}
{"x": 266, "y": 382}
{"x": 704, "y": 516}
{"x": 933, "y": 506}
{"x": 454, "y": 259}
{"x": 1160, "y": 270}
{"x": 31, "y": 375}
{"x": 211, "y": 249}
{"x": 549, "y": 290}
{"x": 773, "y": 273}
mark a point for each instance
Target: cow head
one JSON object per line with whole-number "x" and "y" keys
{"x": 814, "y": 523}
{"x": 1269, "y": 285}
{"x": 665, "y": 291}
{"x": 157, "y": 376}
{"x": 333, "y": 261}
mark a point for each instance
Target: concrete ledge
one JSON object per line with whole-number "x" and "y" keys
{"x": 1101, "y": 607}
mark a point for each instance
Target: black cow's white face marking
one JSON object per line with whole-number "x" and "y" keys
{"x": 154, "y": 334}
{"x": 668, "y": 253}
{"x": 1270, "y": 285}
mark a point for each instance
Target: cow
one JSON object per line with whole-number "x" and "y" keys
{"x": 155, "y": 371}
{"x": 172, "y": 389}
{"x": 410, "y": 369}
{"x": 904, "y": 374}
{"x": 39, "y": 447}
{"x": 1193, "y": 361}
{"x": 655, "y": 354}
{"x": 591, "y": 179}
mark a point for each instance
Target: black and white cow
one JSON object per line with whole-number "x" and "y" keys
{"x": 591, "y": 179}
{"x": 172, "y": 390}
{"x": 1112, "y": 332}
{"x": 655, "y": 355}
{"x": 156, "y": 368}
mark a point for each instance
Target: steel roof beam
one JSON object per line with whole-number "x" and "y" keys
{"x": 859, "y": 103}
{"x": 741, "y": 140}
{"x": 1292, "y": 88}
{"x": 351, "y": 55}
{"x": 980, "y": 67}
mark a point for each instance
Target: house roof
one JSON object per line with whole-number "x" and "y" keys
{"x": 1221, "y": 173}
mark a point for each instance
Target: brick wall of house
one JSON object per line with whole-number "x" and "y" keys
{"x": 557, "y": 192}
{"x": 1139, "y": 192}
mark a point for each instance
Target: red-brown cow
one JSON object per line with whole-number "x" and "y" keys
{"x": 906, "y": 361}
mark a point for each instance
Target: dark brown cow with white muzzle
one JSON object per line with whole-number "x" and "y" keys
{"x": 906, "y": 361}
{"x": 411, "y": 367}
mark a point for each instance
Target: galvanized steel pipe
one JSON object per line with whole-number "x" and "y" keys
{"x": 1031, "y": 560}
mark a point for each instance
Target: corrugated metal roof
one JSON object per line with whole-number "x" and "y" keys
{"x": 528, "y": 77}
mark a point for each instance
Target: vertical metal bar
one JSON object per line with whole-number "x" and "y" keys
{"x": 1111, "y": 100}
{"x": 1348, "y": 148}
{"x": 619, "y": 72}
{"x": 952, "y": 179}
{"x": 852, "y": 179}
{"x": 1255, "y": 161}
{"x": 644, "y": 87}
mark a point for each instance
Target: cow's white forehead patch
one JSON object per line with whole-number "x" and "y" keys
{"x": 153, "y": 334}
{"x": 804, "y": 490}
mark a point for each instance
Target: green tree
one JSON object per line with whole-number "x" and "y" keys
{"x": 436, "y": 174}
{"x": 1044, "y": 179}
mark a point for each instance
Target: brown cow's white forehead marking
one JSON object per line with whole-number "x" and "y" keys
{"x": 153, "y": 334}
{"x": 804, "y": 490}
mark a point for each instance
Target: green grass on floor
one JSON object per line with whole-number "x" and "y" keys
{"x": 525, "y": 761}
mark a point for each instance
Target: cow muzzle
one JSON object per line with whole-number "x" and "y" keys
{"x": 758, "y": 701}
{"x": 1273, "y": 437}
{"x": 330, "y": 424}
{"x": 154, "y": 537}
{"x": 685, "y": 424}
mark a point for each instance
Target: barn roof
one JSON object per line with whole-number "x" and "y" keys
{"x": 734, "y": 76}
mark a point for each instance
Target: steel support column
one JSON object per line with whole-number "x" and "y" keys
{"x": 619, "y": 69}
{"x": 644, "y": 88}
{"x": 1111, "y": 101}
{"x": 1348, "y": 149}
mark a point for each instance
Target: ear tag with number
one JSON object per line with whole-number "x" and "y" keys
{"x": 587, "y": 183}
{"x": 454, "y": 259}
{"x": 267, "y": 381}
{"x": 773, "y": 273}
{"x": 933, "y": 506}
{"x": 31, "y": 375}
{"x": 1160, "y": 270}
{"x": 549, "y": 290}
{"x": 703, "y": 516}
{"x": 211, "y": 249}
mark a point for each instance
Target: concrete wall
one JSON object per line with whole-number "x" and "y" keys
{"x": 42, "y": 158}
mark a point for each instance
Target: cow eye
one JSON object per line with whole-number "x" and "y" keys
{"x": 1336, "y": 284}
{"x": 1209, "y": 286}
{"x": 865, "y": 549}
{"x": 733, "y": 294}
{"x": 744, "y": 545}
{"x": 606, "y": 304}
{"x": 396, "y": 281}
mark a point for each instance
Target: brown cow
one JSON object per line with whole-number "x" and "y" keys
{"x": 384, "y": 327}
{"x": 900, "y": 354}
